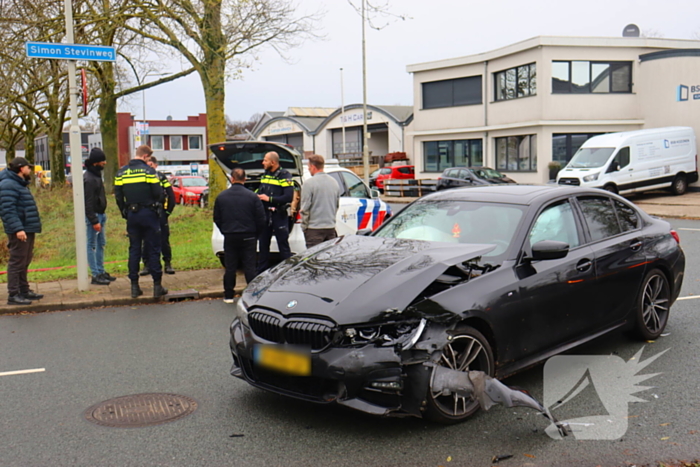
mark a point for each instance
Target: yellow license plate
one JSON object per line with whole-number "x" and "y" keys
{"x": 285, "y": 360}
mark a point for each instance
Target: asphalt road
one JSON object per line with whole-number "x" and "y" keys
{"x": 93, "y": 355}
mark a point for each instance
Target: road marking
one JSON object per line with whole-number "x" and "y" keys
{"x": 22, "y": 372}
{"x": 694, "y": 230}
{"x": 680, "y": 298}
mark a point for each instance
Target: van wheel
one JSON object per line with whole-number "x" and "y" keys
{"x": 611, "y": 188}
{"x": 679, "y": 185}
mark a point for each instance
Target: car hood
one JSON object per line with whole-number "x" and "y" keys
{"x": 248, "y": 155}
{"x": 357, "y": 279}
{"x": 194, "y": 189}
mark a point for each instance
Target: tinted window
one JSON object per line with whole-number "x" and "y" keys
{"x": 556, "y": 222}
{"x": 629, "y": 220}
{"x": 404, "y": 170}
{"x": 356, "y": 188}
{"x": 452, "y": 92}
{"x": 600, "y": 217}
{"x": 336, "y": 176}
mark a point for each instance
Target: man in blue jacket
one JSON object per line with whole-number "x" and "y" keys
{"x": 20, "y": 218}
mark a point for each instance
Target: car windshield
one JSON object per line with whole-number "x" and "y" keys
{"x": 588, "y": 158}
{"x": 485, "y": 172}
{"x": 195, "y": 181}
{"x": 455, "y": 221}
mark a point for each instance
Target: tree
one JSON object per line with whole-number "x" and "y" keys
{"x": 241, "y": 127}
{"x": 216, "y": 36}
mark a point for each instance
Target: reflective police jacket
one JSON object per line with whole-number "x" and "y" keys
{"x": 278, "y": 186}
{"x": 137, "y": 184}
{"x": 168, "y": 194}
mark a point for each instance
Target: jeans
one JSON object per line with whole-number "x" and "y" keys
{"x": 21, "y": 254}
{"x": 96, "y": 242}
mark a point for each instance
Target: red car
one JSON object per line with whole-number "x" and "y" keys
{"x": 188, "y": 189}
{"x": 394, "y": 173}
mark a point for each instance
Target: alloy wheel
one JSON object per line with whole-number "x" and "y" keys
{"x": 655, "y": 304}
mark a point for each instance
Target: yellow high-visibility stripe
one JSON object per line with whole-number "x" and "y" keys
{"x": 275, "y": 181}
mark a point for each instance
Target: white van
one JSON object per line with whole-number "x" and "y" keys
{"x": 635, "y": 161}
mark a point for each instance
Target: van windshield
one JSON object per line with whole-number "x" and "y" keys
{"x": 588, "y": 158}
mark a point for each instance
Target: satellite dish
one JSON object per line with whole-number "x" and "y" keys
{"x": 631, "y": 30}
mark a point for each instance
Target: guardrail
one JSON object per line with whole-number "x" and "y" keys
{"x": 409, "y": 188}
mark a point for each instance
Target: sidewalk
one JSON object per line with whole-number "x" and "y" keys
{"x": 208, "y": 283}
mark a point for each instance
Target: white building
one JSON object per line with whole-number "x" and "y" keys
{"x": 520, "y": 107}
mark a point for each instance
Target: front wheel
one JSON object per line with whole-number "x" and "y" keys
{"x": 653, "y": 306}
{"x": 468, "y": 350}
{"x": 182, "y": 200}
{"x": 679, "y": 185}
{"x": 611, "y": 188}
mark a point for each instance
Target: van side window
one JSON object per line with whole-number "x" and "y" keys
{"x": 622, "y": 158}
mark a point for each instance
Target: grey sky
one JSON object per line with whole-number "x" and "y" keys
{"x": 438, "y": 29}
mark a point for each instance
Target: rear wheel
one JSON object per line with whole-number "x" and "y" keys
{"x": 679, "y": 185}
{"x": 653, "y": 306}
{"x": 611, "y": 188}
{"x": 468, "y": 350}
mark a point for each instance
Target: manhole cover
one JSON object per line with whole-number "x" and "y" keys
{"x": 141, "y": 410}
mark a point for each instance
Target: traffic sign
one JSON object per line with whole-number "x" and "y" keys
{"x": 98, "y": 53}
{"x": 194, "y": 168}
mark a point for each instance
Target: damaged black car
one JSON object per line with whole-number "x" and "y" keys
{"x": 485, "y": 280}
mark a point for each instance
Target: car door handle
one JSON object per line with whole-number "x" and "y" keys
{"x": 635, "y": 245}
{"x": 584, "y": 265}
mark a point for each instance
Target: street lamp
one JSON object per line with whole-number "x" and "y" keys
{"x": 143, "y": 91}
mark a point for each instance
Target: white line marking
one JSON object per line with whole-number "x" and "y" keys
{"x": 22, "y": 372}
{"x": 688, "y": 298}
{"x": 694, "y": 230}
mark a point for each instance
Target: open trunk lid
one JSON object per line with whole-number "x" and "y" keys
{"x": 249, "y": 155}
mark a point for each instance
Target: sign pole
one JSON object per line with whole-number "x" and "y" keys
{"x": 76, "y": 158}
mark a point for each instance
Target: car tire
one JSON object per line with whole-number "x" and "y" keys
{"x": 679, "y": 185}
{"x": 611, "y": 188}
{"x": 653, "y": 306}
{"x": 454, "y": 409}
{"x": 182, "y": 200}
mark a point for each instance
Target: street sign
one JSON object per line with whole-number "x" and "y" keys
{"x": 194, "y": 168}
{"x": 98, "y": 53}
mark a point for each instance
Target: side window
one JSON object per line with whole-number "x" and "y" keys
{"x": 404, "y": 170}
{"x": 463, "y": 175}
{"x": 556, "y": 222}
{"x": 356, "y": 188}
{"x": 622, "y": 158}
{"x": 629, "y": 219}
{"x": 453, "y": 173}
{"x": 600, "y": 217}
{"x": 336, "y": 176}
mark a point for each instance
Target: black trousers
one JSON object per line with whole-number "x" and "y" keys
{"x": 21, "y": 254}
{"x": 165, "y": 249}
{"x": 315, "y": 236}
{"x": 277, "y": 225}
{"x": 239, "y": 251}
{"x": 143, "y": 228}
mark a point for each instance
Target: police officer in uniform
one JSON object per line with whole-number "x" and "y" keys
{"x": 139, "y": 197}
{"x": 276, "y": 191}
{"x": 168, "y": 206}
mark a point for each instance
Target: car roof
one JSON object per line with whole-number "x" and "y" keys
{"x": 511, "y": 194}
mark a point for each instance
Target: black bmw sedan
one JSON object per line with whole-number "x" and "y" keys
{"x": 491, "y": 279}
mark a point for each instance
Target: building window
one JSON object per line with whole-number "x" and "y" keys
{"x": 440, "y": 155}
{"x": 452, "y": 92}
{"x": 584, "y": 77}
{"x": 516, "y": 82}
{"x": 157, "y": 142}
{"x": 194, "y": 142}
{"x": 564, "y": 146}
{"x": 175, "y": 143}
{"x": 517, "y": 153}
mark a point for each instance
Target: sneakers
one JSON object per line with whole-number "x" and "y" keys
{"x": 100, "y": 280}
{"x": 106, "y": 275}
{"x": 18, "y": 300}
{"x": 228, "y": 300}
{"x": 144, "y": 271}
{"x": 29, "y": 295}
{"x": 168, "y": 269}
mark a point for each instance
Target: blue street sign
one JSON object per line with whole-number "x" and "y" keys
{"x": 98, "y": 53}
{"x": 194, "y": 168}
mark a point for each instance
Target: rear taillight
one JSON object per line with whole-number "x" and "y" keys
{"x": 439, "y": 178}
{"x": 675, "y": 236}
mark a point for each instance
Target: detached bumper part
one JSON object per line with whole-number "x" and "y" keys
{"x": 488, "y": 391}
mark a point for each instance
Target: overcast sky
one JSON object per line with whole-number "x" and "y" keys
{"x": 437, "y": 29}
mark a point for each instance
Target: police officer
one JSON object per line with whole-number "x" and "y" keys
{"x": 139, "y": 197}
{"x": 276, "y": 191}
{"x": 168, "y": 206}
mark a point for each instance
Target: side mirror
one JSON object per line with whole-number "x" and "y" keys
{"x": 374, "y": 193}
{"x": 614, "y": 167}
{"x": 549, "y": 249}
{"x": 364, "y": 232}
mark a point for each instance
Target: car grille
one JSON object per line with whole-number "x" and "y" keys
{"x": 569, "y": 181}
{"x": 316, "y": 333}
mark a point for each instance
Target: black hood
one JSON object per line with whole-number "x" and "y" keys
{"x": 248, "y": 155}
{"x": 355, "y": 278}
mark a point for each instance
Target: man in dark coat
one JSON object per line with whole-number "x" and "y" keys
{"x": 20, "y": 218}
{"x": 95, "y": 216}
{"x": 239, "y": 215}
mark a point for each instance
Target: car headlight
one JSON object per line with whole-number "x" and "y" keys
{"x": 591, "y": 178}
{"x": 405, "y": 334}
{"x": 190, "y": 194}
{"x": 241, "y": 312}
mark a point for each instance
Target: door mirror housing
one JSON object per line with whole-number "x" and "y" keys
{"x": 549, "y": 249}
{"x": 614, "y": 167}
{"x": 374, "y": 193}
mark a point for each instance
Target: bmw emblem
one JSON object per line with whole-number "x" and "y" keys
{"x": 292, "y": 304}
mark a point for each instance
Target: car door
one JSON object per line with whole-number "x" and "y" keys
{"x": 177, "y": 189}
{"x": 357, "y": 209}
{"x": 614, "y": 233}
{"x": 556, "y": 296}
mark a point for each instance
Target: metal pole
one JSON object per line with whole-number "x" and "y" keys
{"x": 342, "y": 109}
{"x": 76, "y": 158}
{"x": 365, "y": 135}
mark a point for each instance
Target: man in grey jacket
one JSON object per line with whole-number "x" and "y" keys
{"x": 320, "y": 197}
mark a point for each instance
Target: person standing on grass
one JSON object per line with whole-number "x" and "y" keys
{"x": 168, "y": 206}
{"x": 20, "y": 218}
{"x": 239, "y": 215}
{"x": 319, "y": 204}
{"x": 95, "y": 216}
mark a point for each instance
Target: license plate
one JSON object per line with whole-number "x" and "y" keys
{"x": 283, "y": 359}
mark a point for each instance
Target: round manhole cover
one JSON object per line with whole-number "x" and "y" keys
{"x": 141, "y": 410}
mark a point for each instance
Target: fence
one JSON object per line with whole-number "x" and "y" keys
{"x": 409, "y": 188}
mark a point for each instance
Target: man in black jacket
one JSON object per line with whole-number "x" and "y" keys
{"x": 95, "y": 216}
{"x": 239, "y": 215}
{"x": 20, "y": 218}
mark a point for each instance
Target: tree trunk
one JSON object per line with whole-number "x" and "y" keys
{"x": 108, "y": 128}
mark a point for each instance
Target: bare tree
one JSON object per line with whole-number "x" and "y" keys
{"x": 239, "y": 127}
